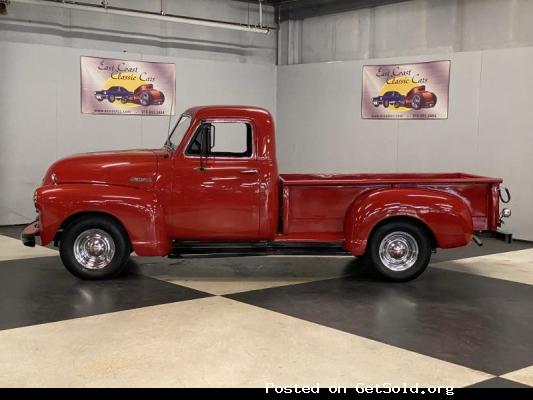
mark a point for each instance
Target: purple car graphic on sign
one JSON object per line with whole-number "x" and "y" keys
{"x": 392, "y": 97}
{"x": 113, "y": 93}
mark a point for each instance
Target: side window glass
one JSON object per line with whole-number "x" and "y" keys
{"x": 224, "y": 139}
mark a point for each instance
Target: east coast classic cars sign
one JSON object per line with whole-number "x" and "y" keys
{"x": 406, "y": 91}
{"x": 127, "y": 87}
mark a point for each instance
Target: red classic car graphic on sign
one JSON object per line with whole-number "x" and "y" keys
{"x": 146, "y": 95}
{"x": 418, "y": 97}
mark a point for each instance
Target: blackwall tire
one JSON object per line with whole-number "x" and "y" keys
{"x": 94, "y": 247}
{"x": 385, "y": 104}
{"x": 111, "y": 98}
{"x": 399, "y": 251}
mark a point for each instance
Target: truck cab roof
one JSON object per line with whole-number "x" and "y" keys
{"x": 225, "y": 111}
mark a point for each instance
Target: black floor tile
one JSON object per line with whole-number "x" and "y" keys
{"x": 258, "y": 268}
{"x": 479, "y": 322}
{"x": 39, "y": 290}
{"x": 499, "y": 383}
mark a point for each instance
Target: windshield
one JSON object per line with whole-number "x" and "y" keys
{"x": 179, "y": 130}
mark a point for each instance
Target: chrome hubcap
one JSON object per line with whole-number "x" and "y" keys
{"x": 94, "y": 249}
{"x": 398, "y": 251}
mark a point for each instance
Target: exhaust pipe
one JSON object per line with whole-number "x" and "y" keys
{"x": 477, "y": 240}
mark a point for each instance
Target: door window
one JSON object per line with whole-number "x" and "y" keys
{"x": 223, "y": 139}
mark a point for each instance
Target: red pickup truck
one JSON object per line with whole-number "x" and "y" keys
{"x": 214, "y": 187}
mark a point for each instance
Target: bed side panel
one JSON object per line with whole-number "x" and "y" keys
{"x": 318, "y": 209}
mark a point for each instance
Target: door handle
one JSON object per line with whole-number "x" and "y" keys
{"x": 249, "y": 171}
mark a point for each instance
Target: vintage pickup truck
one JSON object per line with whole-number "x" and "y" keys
{"x": 214, "y": 187}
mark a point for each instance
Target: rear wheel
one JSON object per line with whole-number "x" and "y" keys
{"x": 94, "y": 247}
{"x": 399, "y": 251}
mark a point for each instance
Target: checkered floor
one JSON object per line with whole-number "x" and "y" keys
{"x": 249, "y": 321}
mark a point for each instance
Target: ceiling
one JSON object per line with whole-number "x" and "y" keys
{"x": 299, "y": 9}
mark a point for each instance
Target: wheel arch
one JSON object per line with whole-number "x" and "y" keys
{"x": 140, "y": 213}
{"x": 445, "y": 216}
{"x": 408, "y": 219}
{"x": 84, "y": 214}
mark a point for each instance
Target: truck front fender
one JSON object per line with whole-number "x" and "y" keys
{"x": 446, "y": 216}
{"x": 140, "y": 212}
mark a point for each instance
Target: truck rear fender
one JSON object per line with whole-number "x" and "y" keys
{"x": 445, "y": 216}
{"x": 140, "y": 213}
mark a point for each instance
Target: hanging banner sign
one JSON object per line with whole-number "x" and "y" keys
{"x": 126, "y": 87}
{"x": 406, "y": 91}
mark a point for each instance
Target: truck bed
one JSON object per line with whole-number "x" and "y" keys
{"x": 314, "y": 205}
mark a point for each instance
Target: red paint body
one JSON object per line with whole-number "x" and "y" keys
{"x": 241, "y": 199}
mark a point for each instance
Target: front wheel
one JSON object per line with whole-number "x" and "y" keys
{"x": 94, "y": 247}
{"x": 145, "y": 99}
{"x": 399, "y": 251}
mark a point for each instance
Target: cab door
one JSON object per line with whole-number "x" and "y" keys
{"x": 216, "y": 191}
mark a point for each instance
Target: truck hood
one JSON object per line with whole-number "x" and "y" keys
{"x": 135, "y": 168}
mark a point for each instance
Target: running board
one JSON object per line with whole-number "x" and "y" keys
{"x": 206, "y": 249}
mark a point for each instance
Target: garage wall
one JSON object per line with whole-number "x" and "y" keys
{"x": 43, "y": 24}
{"x": 417, "y": 27}
{"x": 41, "y": 119}
{"x": 488, "y": 130}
